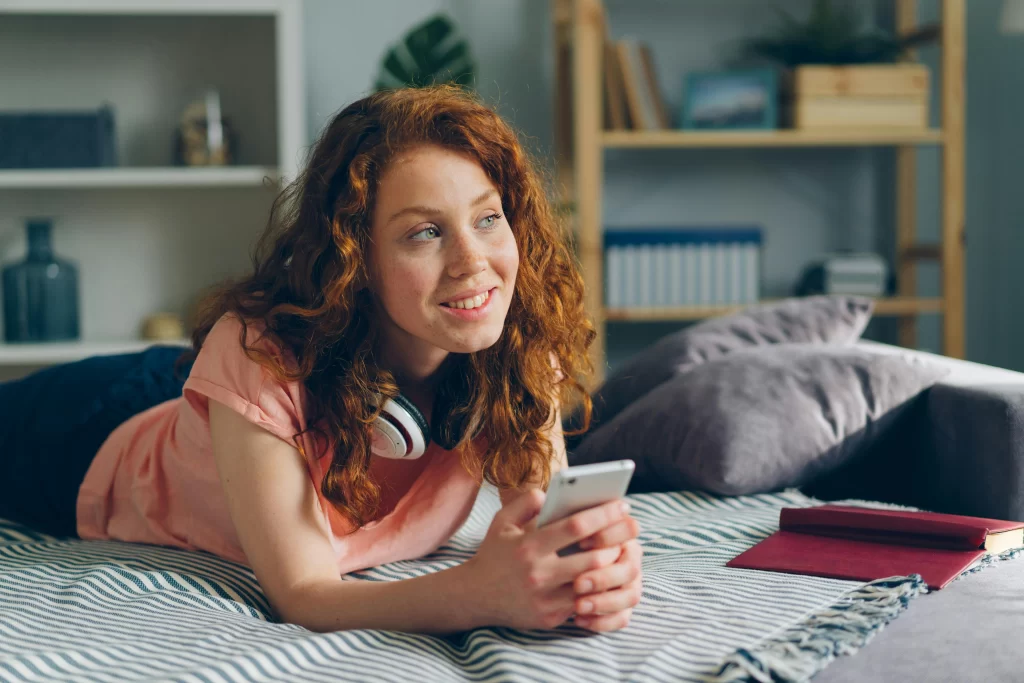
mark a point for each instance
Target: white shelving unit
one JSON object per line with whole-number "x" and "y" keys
{"x": 146, "y": 235}
{"x": 65, "y": 352}
{"x": 236, "y": 176}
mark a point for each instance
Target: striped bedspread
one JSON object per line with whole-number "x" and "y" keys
{"x": 107, "y": 611}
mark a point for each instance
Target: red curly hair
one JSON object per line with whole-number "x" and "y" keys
{"x": 306, "y": 288}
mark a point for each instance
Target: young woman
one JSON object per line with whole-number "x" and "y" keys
{"x": 415, "y": 268}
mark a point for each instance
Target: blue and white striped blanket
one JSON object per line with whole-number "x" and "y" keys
{"x": 105, "y": 611}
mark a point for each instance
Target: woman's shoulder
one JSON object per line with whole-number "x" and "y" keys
{"x": 232, "y": 344}
{"x": 231, "y": 334}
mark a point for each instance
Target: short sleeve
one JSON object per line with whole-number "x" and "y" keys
{"x": 223, "y": 372}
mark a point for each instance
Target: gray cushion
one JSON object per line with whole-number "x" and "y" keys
{"x": 815, "y": 319}
{"x": 758, "y": 420}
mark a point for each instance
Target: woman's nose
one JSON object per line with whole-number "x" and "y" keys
{"x": 466, "y": 256}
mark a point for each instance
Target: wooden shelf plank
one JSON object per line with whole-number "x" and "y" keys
{"x": 896, "y": 306}
{"x": 128, "y": 7}
{"x": 770, "y": 138}
{"x": 127, "y": 176}
{"x": 65, "y": 352}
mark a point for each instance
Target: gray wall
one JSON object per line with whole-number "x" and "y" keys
{"x": 808, "y": 201}
{"x": 995, "y": 197}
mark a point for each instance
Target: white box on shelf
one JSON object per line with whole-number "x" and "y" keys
{"x": 661, "y": 275}
{"x": 705, "y": 264}
{"x": 675, "y": 270}
{"x": 721, "y": 263}
{"x": 690, "y": 273}
{"x": 645, "y": 269}
{"x": 675, "y": 267}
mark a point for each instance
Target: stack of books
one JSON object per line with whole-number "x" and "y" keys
{"x": 632, "y": 98}
{"x": 674, "y": 267}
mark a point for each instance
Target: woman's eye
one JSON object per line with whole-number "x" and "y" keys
{"x": 489, "y": 221}
{"x": 426, "y": 234}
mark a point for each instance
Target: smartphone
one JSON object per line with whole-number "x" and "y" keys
{"x": 585, "y": 486}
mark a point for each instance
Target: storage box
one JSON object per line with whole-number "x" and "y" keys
{"x": 676, "y": 267}
{"x": 57, "y": 139}
{"x": 863, "y": 96}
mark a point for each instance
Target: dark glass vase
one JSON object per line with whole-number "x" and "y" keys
{"x": 41, "y": 292}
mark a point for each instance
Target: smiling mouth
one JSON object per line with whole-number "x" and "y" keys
{"x": 470, "y": 303}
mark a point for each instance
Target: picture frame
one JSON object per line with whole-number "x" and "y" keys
{"x": 740, "y": 99}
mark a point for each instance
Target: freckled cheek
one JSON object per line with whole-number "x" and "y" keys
{"x": 510, "y": 261}
{"x": 412, "y": 285}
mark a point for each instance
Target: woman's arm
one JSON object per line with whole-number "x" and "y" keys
{"x": 285, "y": 538}
{"x": 515, "y": 579}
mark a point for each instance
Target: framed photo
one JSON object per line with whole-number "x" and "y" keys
{"x": 731, "y": 100}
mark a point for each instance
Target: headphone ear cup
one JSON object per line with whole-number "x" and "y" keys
{"x": 400, "y": 431}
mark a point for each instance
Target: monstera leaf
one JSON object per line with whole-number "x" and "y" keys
{"x": 432, "y": 52}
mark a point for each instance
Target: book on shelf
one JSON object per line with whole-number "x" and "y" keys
{"x": 616, "y": 113}
{"x": 632, "y": 96}
{"x": 678, "y": 267}
{"x": 864, "y": 544}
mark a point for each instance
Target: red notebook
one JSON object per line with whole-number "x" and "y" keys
{"x": 864, "y": 544}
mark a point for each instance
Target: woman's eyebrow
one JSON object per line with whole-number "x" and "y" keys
{"x": 421, "y": 210}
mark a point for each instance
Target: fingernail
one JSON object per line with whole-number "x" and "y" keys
{"x": 586, "y": 607}
{"x": 625, "y": 507}
{"x": 586, "y": 586}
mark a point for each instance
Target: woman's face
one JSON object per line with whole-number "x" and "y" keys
{"x": 443, "y": 260}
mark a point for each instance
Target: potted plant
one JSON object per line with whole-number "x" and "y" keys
{"x": 432, "y": 52}
{"x": 841, "y": 74}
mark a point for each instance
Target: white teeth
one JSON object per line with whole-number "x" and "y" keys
{"x": 472, "y": 302}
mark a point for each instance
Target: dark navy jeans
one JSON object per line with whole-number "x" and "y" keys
{"x": 53, "y": 422}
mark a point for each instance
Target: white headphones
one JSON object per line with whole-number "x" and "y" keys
{"x": 400, "y": 432}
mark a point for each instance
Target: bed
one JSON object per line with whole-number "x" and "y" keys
{"x": 74, "y": 610}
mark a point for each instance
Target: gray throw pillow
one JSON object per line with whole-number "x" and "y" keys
{"x": 759, "y": 420}
{"x": 815, "y": 320}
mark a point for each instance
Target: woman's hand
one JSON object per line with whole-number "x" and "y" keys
{"x": 518, "y": 579}
{"x": 606, "y": 597}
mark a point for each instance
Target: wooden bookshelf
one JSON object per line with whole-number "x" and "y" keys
{"x": 898, "y": 306}
{"x": 768, "y": 138}
{"x": 579, "y": 34}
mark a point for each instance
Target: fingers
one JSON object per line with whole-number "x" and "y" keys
{"x": 610, "y": 602}
{"x": 625, "y": 570}
{"x": 609, "y": 622}
{"x": 522, "y": 508}
{"x": 615, "y": 535}
{"x": 560, "y": 604}
{"x": 565, "y": 569}
{"x": 557, "y": 535}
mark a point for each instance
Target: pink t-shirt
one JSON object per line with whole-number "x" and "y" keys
{"x": 154, "y": 479}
